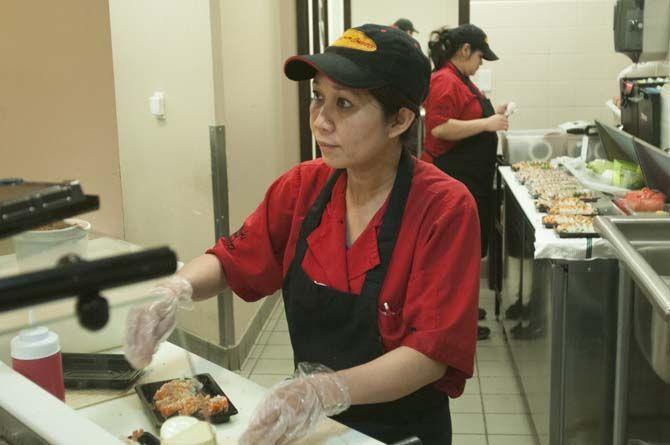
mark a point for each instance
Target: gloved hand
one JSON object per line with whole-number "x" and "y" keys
{"x": 294, "y": 407}
{"x": 149, "y": 324}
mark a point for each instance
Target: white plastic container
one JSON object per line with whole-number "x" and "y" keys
{"x": 533, "y": 145}
{"x": 42, "y": 249}
{"x": 665, "y": 116}
{"x": 185, "y": 430}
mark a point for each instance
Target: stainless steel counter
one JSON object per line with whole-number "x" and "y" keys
{"x": 642, "y": 389}
{"x": 564, "y": 337}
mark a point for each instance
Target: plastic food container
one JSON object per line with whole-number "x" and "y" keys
{"x": 533, "y": 145}
{"x": 39, "y": 249}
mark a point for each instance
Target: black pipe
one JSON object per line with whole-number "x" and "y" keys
{"x": 81, "y": 278}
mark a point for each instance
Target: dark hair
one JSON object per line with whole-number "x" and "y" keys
{"x": 442, "y": 47}
{"x": 391, "y": 101}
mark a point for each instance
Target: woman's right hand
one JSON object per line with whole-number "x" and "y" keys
{"x": 497, "y": 122}
{"x": 150, "y": 324}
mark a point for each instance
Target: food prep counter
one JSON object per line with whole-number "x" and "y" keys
{"x": 118, "y": 413}
{"x": 559, "y": 296}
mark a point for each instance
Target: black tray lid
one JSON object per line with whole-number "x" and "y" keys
{"x": 26, "y": 205}
{"x": 110, "y": 371}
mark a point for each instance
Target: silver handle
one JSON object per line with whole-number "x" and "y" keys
{"x": 653, "y": 286}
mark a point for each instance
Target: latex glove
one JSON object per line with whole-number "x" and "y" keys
{"x": 294, "y": 407}
{"x": 150, "y": 324}
{"x": 497, "y": 122}
{"x": 500, "y": 109}
{"x": 511, "y": 108}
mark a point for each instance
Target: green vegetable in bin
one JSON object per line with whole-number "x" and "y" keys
{"x": 598, "y": 166}
{"x": 617, "y": 172}
{"x": 627, "y": 174}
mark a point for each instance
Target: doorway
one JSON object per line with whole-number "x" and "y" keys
{"x": 320, "y": 21}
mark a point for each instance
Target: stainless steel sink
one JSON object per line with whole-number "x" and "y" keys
{"x": 643, "y": 245}
{"x": 630, "y": 234}
{"x": 652, "y": 332}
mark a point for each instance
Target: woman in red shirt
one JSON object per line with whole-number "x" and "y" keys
{"x": 376, "y": 254}
{"x": 461, "y": 123}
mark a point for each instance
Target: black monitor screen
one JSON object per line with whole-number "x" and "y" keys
{"x": 655, "y": 165}
{"x": 617, "y": 144}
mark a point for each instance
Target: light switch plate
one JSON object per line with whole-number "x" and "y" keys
{"x": 484, "y": 80}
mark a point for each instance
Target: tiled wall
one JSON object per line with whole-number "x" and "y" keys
{"x": 557, "y": 59}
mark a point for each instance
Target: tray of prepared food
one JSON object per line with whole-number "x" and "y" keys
{"x": 546, "y": 204}
{"x": 576, "y": 230}
{"x": 530, "y": 164}
{"x": 104, "y": 371}
{"x": 566, "y": 190}
{"x": 584, "y": 209}
{"x": 551, "y": 221}
{"x": 199, "y": 397}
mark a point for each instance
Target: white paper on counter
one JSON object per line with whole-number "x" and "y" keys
{"x": 548, "y": 244}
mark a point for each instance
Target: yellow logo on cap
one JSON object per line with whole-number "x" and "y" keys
{"x": 354, "y": 39}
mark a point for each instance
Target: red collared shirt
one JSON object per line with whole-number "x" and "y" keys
{"x": 432, "y": 284}
{"x": 448, "y": 97}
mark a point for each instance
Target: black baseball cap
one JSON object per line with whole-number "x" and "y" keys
{"x": 367, "y": 57}
{"x": 405, "y": 25}
{"x": 475, "y": 37}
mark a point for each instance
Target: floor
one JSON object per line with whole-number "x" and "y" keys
{"x": 490, "y": 412}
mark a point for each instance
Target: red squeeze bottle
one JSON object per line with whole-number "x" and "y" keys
{"x": 36, "y": 355}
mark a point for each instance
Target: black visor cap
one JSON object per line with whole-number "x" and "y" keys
{"x": 476, "y": 38}
{"x": 369, "y": 56}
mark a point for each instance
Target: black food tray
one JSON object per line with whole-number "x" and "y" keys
{"x": 578, "y": 235}
{"x": 25, "y": 205}
{"x": 146, "y": 393}
{"x": 594, "y": 214}
{"x": 100, "y": 371}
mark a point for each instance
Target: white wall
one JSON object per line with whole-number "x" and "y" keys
{"x": 261, "y": 107}
{"x": 165, "y": 165}
{"x": 557, "y": 59}
{"x": 219, "y": 62}
{"x": 57, "y": 116}
{"x": 335, "y": 19}
{"x": 426, "y": 15}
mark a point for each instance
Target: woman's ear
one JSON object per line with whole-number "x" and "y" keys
{"x": 466, "y": 51}
{"x": 403, "y": 120}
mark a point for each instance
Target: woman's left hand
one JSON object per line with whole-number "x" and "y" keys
{"x": 294, "y": 407}
{"x": 502, "y": 108}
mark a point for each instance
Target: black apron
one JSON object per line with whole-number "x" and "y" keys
{"x": 472, "y": 161}
{"x": 340, "y": 329}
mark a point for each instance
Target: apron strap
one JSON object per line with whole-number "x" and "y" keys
{"x": 313, "y": 217}
{"x": 487, "y": 107}
{"x": 388, "y": 233}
